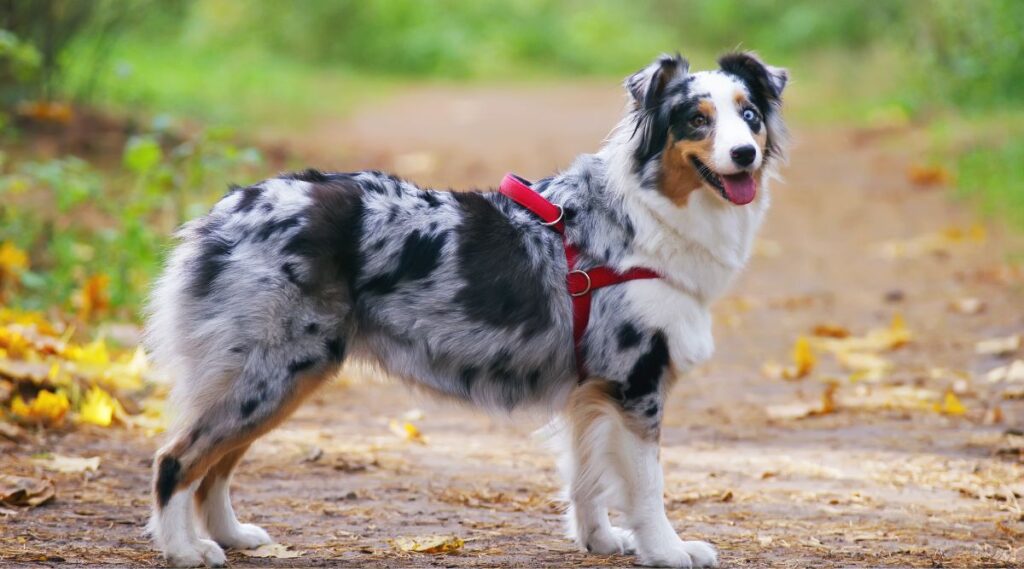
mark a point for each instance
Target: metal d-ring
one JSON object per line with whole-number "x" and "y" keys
{"x": 589, "y": 283}
{"x": 561, "y": 214}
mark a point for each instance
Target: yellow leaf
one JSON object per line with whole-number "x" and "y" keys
{"x": 12, "y": 259}
{"x": 407, "y": 431}
{"x": 428, "y": 544}
{"x": 92, "y": 298}
{"x": 98, "y": 408}
{"x": 951, "y": 405}
{"x": 803, "y": 356}
{"x": 94, "y": 353}
{"x": 47, "y": 407}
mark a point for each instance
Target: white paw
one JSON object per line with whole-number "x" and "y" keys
{"x": 197, "y": 554}
{"x": 626, "y": 539}
{"x": 702, "y": 553}
{"x": 679, "y": 553}
{"x": 244, "y": 536}
{"x": 617, "y": 541}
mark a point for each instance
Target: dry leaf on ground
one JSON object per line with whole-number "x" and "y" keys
{"x": 801, "y": 409}
{"x": 950, "y": 405}
{"x": 998, "y": 346}
{"x": 428, "y": 544}
{"x": 272, "y": 550}
{"x": 928, "y": 176}
{"x": 407, "y": 431}
{"x": 968, "y": 305}
{"x": 803, "y": 362}
{"x": 1012, "y": 372}
{"x": 22, "y": 491}
{"x": 69, "y": 464}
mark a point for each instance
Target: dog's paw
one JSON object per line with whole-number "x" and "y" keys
{"x": 617, "y": 541}
{"x": 202, "y": 552}
{"x": 244, "y": 536}
{"x": 678, "y": 553}
{"x": 626, "y": 539}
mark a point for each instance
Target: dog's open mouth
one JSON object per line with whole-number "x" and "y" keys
{"x": 739, "y": 188}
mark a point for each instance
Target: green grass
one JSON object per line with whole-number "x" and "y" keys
{"x": 234, "y": 88}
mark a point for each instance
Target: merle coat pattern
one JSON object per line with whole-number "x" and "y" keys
{"x": 465, "y": 294}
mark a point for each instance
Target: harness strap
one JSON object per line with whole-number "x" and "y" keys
{"x": 580, "y": 283}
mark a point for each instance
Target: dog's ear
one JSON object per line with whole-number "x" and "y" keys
{"x": 647, "y": 85}
{"x": 764, "y": 81}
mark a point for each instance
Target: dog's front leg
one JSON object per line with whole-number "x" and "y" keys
{"x": 657, "y": 544}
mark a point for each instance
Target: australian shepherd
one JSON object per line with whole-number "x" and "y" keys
{"x": 464, "y": 293}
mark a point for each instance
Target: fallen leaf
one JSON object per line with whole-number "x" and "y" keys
{"x": 69, "y": 464}
{"x": 967, "y": 306}
{"x": 428, "y": 544}
{"x": 802, "y": 409}
{"x": 998, "y": 346}
{"x": 272, "y": 550}
{"x": 92, "y": 298}
{"x": 20, "y": 491}
{"x": 830, "y": 331}
{"x": 950, "y": 405}
{"x": 98, "y": 408}
{"x": 407, "y": 431}
{"x": 803, "y": 362}
{"x": 1012, "y": 372}
{"x": 927, "y": 176}
{"x": 47, "y": 407}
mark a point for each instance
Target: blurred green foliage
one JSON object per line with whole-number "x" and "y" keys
{"x": 284, "y": 64}
{"x": 113, "y": 222}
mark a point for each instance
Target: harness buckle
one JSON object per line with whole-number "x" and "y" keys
{"x": 586, "y": 289}
{"x": 561, "y": 214}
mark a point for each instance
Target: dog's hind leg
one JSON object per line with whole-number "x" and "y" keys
{"x": 587, "y": 434}
{"x": 270, "y": 386}
{"x": 213, "y": 500}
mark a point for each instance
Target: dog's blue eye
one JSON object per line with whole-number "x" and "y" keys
{"x": 749, "y": 115}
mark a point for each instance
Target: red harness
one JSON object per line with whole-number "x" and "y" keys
{"x": 580, "y": 283}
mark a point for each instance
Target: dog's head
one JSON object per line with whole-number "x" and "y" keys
{"x": 714, "y": 130}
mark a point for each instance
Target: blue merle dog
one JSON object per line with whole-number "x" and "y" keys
{"x": 465, "y": 294}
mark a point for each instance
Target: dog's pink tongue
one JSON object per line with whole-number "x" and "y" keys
{"x": 739, "y": 188}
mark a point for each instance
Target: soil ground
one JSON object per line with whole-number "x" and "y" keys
{"x": 864, "y": 485}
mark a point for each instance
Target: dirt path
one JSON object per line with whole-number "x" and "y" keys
{"x": 872, "y": 483}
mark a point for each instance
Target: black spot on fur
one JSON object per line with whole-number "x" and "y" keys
{"x": 652, "y": 410}
{"x": 330, "y": 237}
{"x": 248, "y": 406}
{"x": 211, "y": 260}
{"x": 289, "y": 272}
{"x": 168, "y": 472}
{"x": 764, "y": 88}
{"x": 311, "y": 328}
{"x": 301, "y": 365}
{"x": 467, "y": 376}
{"x": 266, "y": 208}
{"x": 249, "y": 197}
{"x": 237, "y": 349}
{"x": 269, "y": 229}
{"x": 335, "y": 349}
{"x": 420, "y": 255}
{"x": 504, "y": 288}
{"x": 393, "y": 212}
{"x": 195, "y": 434}
{"x": 646, "y": 374}
{"x": 628, "y": 336}
{"x": 431, "y": 199}
{"x": 309, "y": 175}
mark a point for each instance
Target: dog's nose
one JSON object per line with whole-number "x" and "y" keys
{"x": 744, "y": 155}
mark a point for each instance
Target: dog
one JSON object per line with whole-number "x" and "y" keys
{"x": 464, "y": 294}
